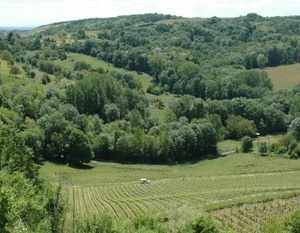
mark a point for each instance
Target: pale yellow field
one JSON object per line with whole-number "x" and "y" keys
{"x": 284, "y": 77}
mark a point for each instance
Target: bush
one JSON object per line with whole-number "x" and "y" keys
{"x": 204, "y": 224}
{"x": 296, "y": 152}
{"x": 148, "y": 224}
{"x": 292, "y": 222}
{"x": 97, "y": 224}
{"x": 262, "y": 147}
{"x": 293, "y": 144}
{"x": 5, "y": 207}
{"x": 81, "y": 65}
{"x": 247, "y": 144}
{"x": 272, "y": 226}
{"x": 155, "y": 89}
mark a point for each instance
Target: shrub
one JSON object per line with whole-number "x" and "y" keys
{"x": 292, "y": 146}
{"x": 247, "y": 144}
{"x": 296, "y": 152}
{"x": 148, "y": 224}
{"x": 272, "y": 226}
{"x": 292, "y": 222}
{"x": 262, "y": 147}
{"x": 204, "y": 224}
{"x": 97, "y": 224}
{"x": 5, "y": 207}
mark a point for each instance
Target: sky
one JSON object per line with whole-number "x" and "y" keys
{"x": 14, "y": 13}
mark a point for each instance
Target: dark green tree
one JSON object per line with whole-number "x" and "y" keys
{"x": 79, "y": 148}
{"x": 56, "y": 135}
{"x": 5, "y": 208}
{"x": 294, "y": 128}
{"x": 157, "y": 65}
{"x": 262, "y": 147}
{"x": 247, "y": 144}
{"x": 239, "y": 127}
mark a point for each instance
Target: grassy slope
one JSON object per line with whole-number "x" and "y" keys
{"x": 211, "y": 184}
{"x": 284, "y": 77}
{"x": 95, "y": 63}
{"x": 111, "y": 173}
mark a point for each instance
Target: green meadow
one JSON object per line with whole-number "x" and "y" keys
{"x": 212, "y": 185}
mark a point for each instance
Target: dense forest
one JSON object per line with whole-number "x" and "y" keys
{"x": 72, "y": 114}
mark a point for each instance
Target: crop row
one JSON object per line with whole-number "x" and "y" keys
{"x": 128, "y": 200}
{"x": 251, "y": 217}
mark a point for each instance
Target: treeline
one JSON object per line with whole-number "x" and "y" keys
{"x": 101, "y": 117}
{"x": 206, "y": 58}
{"x": 105, "y": 115}
{"x": 245, "y": 42}
{"x": 128, "y": 42}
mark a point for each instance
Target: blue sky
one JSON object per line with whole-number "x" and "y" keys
{"x": 41, "y": 12}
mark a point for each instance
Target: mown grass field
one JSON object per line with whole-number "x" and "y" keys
{"x": 210, "y": 185}
{"x": 284, "y": 77}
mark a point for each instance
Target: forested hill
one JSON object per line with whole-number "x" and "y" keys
{"x": 153, "y": 43}
{"x": 229, "y": 41}
{"x": 78, "y": 88}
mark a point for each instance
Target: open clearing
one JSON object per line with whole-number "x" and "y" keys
{"x": 209, "y": 185}
{"x": 284, "y": 77}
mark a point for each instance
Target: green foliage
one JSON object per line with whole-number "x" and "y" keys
{"x": 157, "y": 65}
{"x": 14, "y": 155}
{"x": 81, "y": 65}
{"x": 262, "y": 147}
{"x": 292, "y": 223}
{"x": 239, "y": 127}
{"x": 247, "y": 144}
{"x": 190, "y": 220}
{"x": 46, "y": 66}
{"x": 46, "y": 79}
{"x": 188, "y": 106}
{"x": 5, "y": 208}
{"x": 216, "y": 121}
{"x": 35, "y": 207}
{"x": 273, "y": 226}
{"x": 285, "y": 144}
{"x": 89, "y": 110}
{"x": 204, "y": 225}
{"x": 103, "y": 223}
{"x": 14, "y": 70}
{"x": 294, "y": 128}
{"x": 296, "y": 152}
{"x": 34, "y": 139}
{"x": 262, "y": 60}
{"x": 6, "y": 55}
{"x": 79, "y": 147}
{"x": 56, "y": 207}
{"x": 188, "y": 70}
{"x": 148, "y": 224}
{"x": 80, "y": 34}
{"x": 90, "y": 94}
